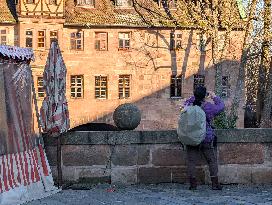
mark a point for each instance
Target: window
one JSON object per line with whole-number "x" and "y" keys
{"x": 124, "y": 86}
{"x": 221, "y": 42}
{"x": 101, "y": 41}
{"x": 175, "y": 41}
{"x": 53, "y": 2}
{"x": 170, "y": 4}
{"x": 124, "y": 3}
{"x": 225, "y": 86}
{"x": 202, "y": 42}
{"x": 175, "y": 86}
{"x": 53, "y": 36}
{"x": 101, "y": 87}
{"x": 30, "y": 1}
{"x": 41, "y": 39}
{"x": 124, "y": 41}
{"x": 77, "y": 41}
{"x": 77, "y": 86}
{"x": 85, "y": 2}
{"x": 178, "y": 41}
{"x": 3, "y": 37}
{"x": 199, "y": 80}
{"x": 40, "y": 87}
{"x": 29, "y": 38}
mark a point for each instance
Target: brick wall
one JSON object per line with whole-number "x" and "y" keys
{"x": 132, "y": 157}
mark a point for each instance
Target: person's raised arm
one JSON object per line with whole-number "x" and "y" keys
{"x": 189, "y": 101}
{"x": 218, "y": 105}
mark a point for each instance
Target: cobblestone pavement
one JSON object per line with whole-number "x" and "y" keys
{"x": 163, "y": 194}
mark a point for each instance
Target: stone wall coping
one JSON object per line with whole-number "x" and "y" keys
{"x": 249, "y": 135}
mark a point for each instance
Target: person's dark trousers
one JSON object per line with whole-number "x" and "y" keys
{"x": 193, "y": 156}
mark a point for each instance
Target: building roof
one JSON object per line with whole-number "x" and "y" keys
{"x": 144, "y": 13}
{"x": 6, "y": 12}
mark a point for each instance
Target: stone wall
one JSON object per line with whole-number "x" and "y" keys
{"x": 132, "y": 157}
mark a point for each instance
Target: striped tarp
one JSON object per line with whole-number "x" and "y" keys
{"x": 25, "y": 176}
{"x": 24, "y": 170}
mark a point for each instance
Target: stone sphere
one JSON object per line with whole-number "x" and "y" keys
{"x": 127, "y": 116}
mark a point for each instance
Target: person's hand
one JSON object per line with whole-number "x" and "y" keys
{"x": 211, "y": 94}
{"x": 181, "y": 108}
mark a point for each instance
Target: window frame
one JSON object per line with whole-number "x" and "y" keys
{"x": 174, "y": 81}
{"x": 226, "y": 88}
{"x": 197, "y": 79}
{"x": 41, "y": 37}
{"x": 124, "y": 39}
{"x": 202, "y": 43}
{"x": 84, "y": 3}
{"x": 174, "y": 39}
{"x": 76, "y": 86}
{"x": 51, "y": 37}
{"x": 29, "y": 37}
{"x": 4, "y": 35}
{"x": 40, "y": 87}
{"x": 53, "y": 2}
{"x": 100, "y": 87}
{"x": 99, "y": 39}
{"x": 30, "y": 1}
{"x": 122, "y": 86}
{"x": 120, "y": 3}
{"x": 76, "y": 39}
{"x": 169, "y": 7}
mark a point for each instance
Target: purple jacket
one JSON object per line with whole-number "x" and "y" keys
{"x": 211, "y": 110}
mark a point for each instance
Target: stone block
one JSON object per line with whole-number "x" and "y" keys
{"x": 123, "y": 137}
{"x": 69, "y": 174}
{"x": 124, "y": 155}
{"x": 268, "y": 154}
{"x": 51, "y": 153}
{"x": 124, "y": 176}
{"x": 262, "y": 175}
{"x": 244, "y": 135}
{"x": 129, "y": 155}
{"x": 143, "y": 154}
{"x": 234, "y": 174}
{"x": 168, "y": 157}
{"x": 152, "y": 175}
{"x": 241, "y": 153}
{"x": 85, "y": 155}
{"x": 93, "y": 175}
{"x": 79, "y": 137}
{"x": 159, "y": 137}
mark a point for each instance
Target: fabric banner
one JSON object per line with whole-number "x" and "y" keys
{"x": 54, "y": 110}
{"x": 24, "y": 170}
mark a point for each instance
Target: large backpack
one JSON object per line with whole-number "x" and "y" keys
{"x": 192, "y": 126}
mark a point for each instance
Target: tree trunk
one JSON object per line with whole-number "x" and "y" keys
{"x": 240, "y": 84}
{"x": 265, "y": 90}
{"x": 216, "y": 63}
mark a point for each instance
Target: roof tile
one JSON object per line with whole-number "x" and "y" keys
{"x": 144, "y": 13}
{"x": 5, "y": 12}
